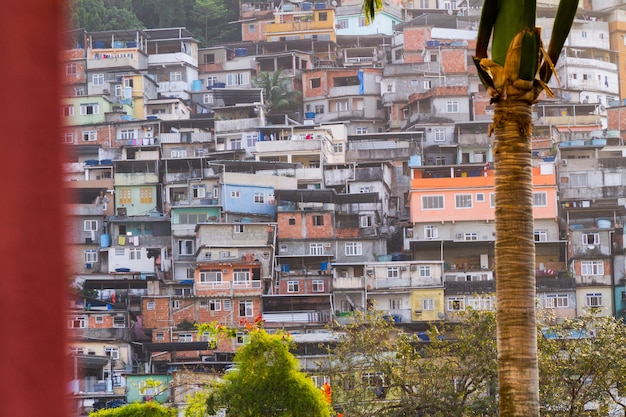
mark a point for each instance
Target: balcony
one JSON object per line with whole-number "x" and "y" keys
{"x": 300, "y": 317}
{"x": 237, "y": 125}
{"x": 107, "y": 59}
{"x": 177, "y": 58}
{"x": 135, "y": 178}
{"x": 172, "y": 87}
{"x": 349, "y": 283}
{"x": 470, "y": 287}
{"x": 289, "y": 146}
{"x": 201, "y": 137}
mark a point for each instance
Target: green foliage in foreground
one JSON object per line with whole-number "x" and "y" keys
{"x": 149, "y": 409}
{"x": 267, "y": 382}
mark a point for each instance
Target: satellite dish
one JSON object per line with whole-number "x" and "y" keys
{"x": 449, "y": 12}
{"x": 334, "y": 3}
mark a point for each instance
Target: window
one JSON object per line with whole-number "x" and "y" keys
{"x": 318, "y": 220}
{"x": 393, "y": 272}
{"x": 373, "y": 379}
{"x": 594, "y": 299}
{"x": 338, "y": 147}
{"x": 127, "y": 134}
{"x": 215, "y": 305}
{"x": 145, "y": 195}
{"x": 186, "y": 247}
{"x": 238, "y": 228}
{"x": 319, "y": 109}
{"x": 150, "y": 305}
{"x": 316, "y": 82}
{"x": 428, "y": 85}
{"x": 159, "y": 337}
{"x": 228, "y": 305}
{"x": 428, "y": 304}
{"x": 211, "y": 79}
{"x": 354, "y": 249}
{"x": 207, "y": 98}
{"x": 541, "y": 235}
{"x": 431, "y": 232}
{"x": 68, "y": 111}
{"x": 492, "y": 200}
{"x": 440, "y": 135}
{"x": 470, "y": 236}
{"x": 77, "y": 322}
{"x": 434, "y": 57}
{"x": 70, "y": 69}
{"x": 557, "y": 301}
{"x": 463, "y": 201}
{"x": 432, "y": 202}
{"x": 242, "y": 338}
{"x": 395, "y": 303}
{"x": 125, "y": 195}
{"x": 245, "y": 308}
{"x": 293, "y": 286}
{"x": 112, "y": 352}
{"x": 362, "y": 21}
{"x": 118, "y": 90}
{"x": 365, "y": 221}
{"x": 235, "y": 194}
{"x": 178, "y": 153}
{"x": 342, "y": 24}
{"x": 317, "y": 285}
{"x": 91, "y": 256}
{"x": 185, "y": 338}
{"x": 79, "y": 91}
{"x": 134, "y": 254}
{"x": 591, "y": 268}
{"x": 251, "y": 140}
{"x": 251, "y": 28}
{"x": 452, "y": 106}
{"x": 480, "y": 302}
{"x": 97, "y": 79}
{"x": 316, "y": 249}
{"x": 211, "y": 277}
{"x": 68, "y": 137}
{"x": 235, "y": 144}
{"x": 198, "y": 191}
{"x": 583, "y": 34}
{"x": 540, "y": 199}
{"x": 175, "y": 304}
{"x": 119, "y": 321}
{"x": 361, "y": 130}
{"x": 89, "y": 135}
{"x": 455, "y": 304}
{"x": 89, "y": 108}
{"x": 322, "y": 16}
{"x": 259, "y": 198}
{"x": 241, "y": 276}
{"x": 591, "y": 238}
{"x": 425, "y": 271}
{"x": 176, "y": 76}
{"x": 90, "y": 225}
{"x": 578, "y": 180}
{"x": 480, "y": 197}
{"x": 241, "y": 78}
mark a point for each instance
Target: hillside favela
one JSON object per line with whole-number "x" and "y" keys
{"x": 319, "y": 167}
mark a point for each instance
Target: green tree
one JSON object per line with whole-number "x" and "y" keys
{"x": 518, "y": 72}
{"x": 278, "y": 96}
{"x": 96, "y": 15}
{"x": 377, "y": 371}
{"x": 149, "y": 409}
{"x": 267, "y": 382}
{"x": 581, "y": 362}
{"x": 207, "y": 20}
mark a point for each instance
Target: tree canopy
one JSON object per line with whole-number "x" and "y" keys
{"x": 265, "y": 382}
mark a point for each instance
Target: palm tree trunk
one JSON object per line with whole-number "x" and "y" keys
{"x": 515, "y": 260}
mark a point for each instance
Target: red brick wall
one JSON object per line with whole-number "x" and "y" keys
{"x": 617, "y": 119}
{"x": 454, "y": 60}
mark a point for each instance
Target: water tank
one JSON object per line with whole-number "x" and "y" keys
{"x": 105, "y": 240}
{"x": 196, "y": 85}
{"x": 604, "y": 224}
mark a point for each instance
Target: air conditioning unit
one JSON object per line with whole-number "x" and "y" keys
{"x": 403, "y": 268}
{"x": 327, "y": 245}
{"x": 208, "y": 358}
{"x": 105, "y": 91}
{"x": 459, "y": 235}
{"x": 88, "y": 266}
{"x": 418, "y": 311}
{"x": 413, "y": 268}
{"x": 564, "y": 162}
{"x": 224, "y": 271}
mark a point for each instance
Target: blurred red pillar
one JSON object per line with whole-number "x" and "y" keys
{"x": 32, "y": 276}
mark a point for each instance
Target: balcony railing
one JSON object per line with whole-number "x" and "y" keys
{"x": 323, "y": 316}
